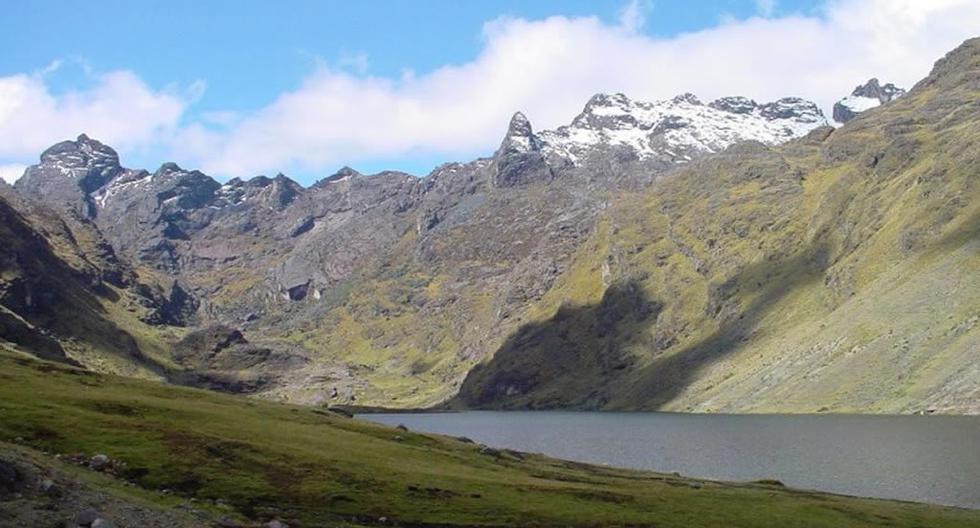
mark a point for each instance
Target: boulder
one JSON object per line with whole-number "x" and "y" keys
{"x": 9, "y": 476}
{"x": 86, "y": 517}
{"x": 50, "y": 488}
{"x": 228, "y": 522}
{"x": 99, "y": 462}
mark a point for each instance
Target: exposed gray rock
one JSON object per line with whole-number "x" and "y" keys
{"x": 864, "y": 97}
{"x": 99, "y": 462}
{"x": 86, "y": 517}
{"x": 303, "y": 225}
{"x": 50, "y": 488}
{"x": 519, "y": 159}
{"x": 70, "y": 172}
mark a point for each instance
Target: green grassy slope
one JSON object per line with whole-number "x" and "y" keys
{"x": 315, "y": 468}
{"x": 835, "y": 273}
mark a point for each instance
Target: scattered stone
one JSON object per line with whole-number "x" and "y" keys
{"x": 227, "y": 522}
{"x": 99, "y": 462}
{"x": 516, "y": 454}
{"x": 465, "y": 440}
{"x": 49, "y": 488}
{"x": 276, "y": 524}
{"x": 103, "y": 523}
{"x": 8, "y": 476}
{"x": 489, "y": 451}
{"x": 398, "y": 438}
{"x": 401, "y": 427}
{"x": 86, "y": 517}
{"x": 382, "y": 520}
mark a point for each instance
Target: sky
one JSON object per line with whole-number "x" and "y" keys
{"x": 304, "y": 87}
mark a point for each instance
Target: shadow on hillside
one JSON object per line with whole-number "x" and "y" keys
{"x": 577, "y": 359}
{"x": 767, "y": 283}
{"x": 564, "y": 361}
{"x": 55, "y": 299}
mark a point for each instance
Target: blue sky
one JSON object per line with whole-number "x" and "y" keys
{"x": 245, "y": 87}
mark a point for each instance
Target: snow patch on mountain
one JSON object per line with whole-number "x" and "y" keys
{"x": 865, "y": 97}
{"x": 120, "y": 184}
{"x": 677, "y": 129}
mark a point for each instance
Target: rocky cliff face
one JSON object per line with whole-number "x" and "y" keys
{"x": 616, "y": 262}
{"x": 65, "y": 296}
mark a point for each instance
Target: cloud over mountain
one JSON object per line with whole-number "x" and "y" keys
{"x": 544, "y": 67}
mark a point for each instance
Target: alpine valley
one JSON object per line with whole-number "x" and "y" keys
{"x": 723, "y": 256}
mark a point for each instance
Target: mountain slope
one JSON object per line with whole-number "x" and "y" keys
{"x": 834, "y": 273}
{"x": 647, "y": 255}
{"x": 387, "y": 288}
{"x": 65, "y": 295}
{"x": 253, "y": 461}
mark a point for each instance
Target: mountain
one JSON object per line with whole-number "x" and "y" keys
{"x": 729, "y": 256}
{"x": 865, "y": 97}
{"x": 834, "y": 273}
{"x": 289, "y": 265}
{"x": 677, "y": 130}
{"x": 65, "y": 295}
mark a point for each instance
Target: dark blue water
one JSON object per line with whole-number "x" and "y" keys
{"x": 919, "y": 458}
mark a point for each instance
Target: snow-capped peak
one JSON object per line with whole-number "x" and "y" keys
{"x": 676, "y": 129}
{"x": 865, "y": 97}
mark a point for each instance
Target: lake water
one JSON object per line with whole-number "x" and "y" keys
{"x": 919, "y": 458}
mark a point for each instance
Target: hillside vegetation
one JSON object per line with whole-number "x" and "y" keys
{"x": 834, "y": 273}
{"x": 313, "y": 467}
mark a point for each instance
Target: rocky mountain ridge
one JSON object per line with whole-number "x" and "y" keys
{"x": 680, "y": 129}
{"x": 571, "y": 264}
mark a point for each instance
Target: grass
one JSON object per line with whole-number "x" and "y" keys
{"x": 816, "y": 275}
{"x": 315, "y": 468}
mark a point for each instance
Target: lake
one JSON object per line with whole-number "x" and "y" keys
{"x": 919, "y": 458}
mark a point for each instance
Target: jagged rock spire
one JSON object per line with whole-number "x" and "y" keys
{"x": 520, "y": 136}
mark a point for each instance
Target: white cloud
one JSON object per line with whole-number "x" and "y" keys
{"x": 549, "y": 68}
{"x": 11, "y": 172}
{"x": 119, "y": 109}
{"x": 546, "y": 68}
